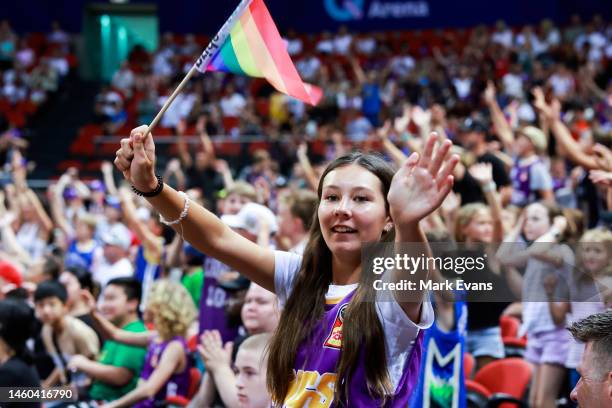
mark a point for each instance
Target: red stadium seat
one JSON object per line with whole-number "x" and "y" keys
{"x": 66, "y": 164}
{"x": 468, "y": 365}
{"x": 195, "y": 376}
{"x": 514, "y": 346}
{"x": 477, "y": 395}
{"x": 506, "y": 379}
{"x": 227, "y": 148}
{"x": 258, "y": 146}
{"x": 509, "y": 326}
{"x": 192, "y": 343}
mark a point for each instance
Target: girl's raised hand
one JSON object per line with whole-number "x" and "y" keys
{"x": 422, "y": 183}
{"x": 136, "y": 159}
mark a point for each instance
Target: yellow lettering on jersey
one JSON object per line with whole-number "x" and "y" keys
{"x": 311, "y": 389}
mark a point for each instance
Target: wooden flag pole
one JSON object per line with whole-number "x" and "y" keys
{"x": 169, "y": 101}
{"x": 203, "y": 60}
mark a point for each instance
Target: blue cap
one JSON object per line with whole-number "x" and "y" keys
{"x": 70, "y": 193}
{"x": 97, "y": 185}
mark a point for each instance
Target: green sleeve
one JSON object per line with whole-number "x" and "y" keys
{"x": 130, "y": 357}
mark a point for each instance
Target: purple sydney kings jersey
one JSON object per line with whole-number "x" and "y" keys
{"x": 317, "y": 359}
{"x": 521, "y": 188}
{"x": 213, "y": 299}
{"x": 178, "y": 384}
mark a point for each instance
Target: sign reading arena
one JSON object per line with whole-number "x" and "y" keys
{"x": 352, "y": 10}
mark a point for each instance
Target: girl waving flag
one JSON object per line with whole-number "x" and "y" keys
{"x": 332, "y": 347}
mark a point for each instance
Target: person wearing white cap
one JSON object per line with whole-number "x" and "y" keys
{"x": 254, "y": 222}
{"x": 531, "y": 179}
{"x": 112, "y": 262}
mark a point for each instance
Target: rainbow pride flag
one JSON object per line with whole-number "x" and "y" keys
{"x": 255, "y": 48}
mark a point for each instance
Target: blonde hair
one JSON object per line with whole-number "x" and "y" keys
{"x": 90, "y": 220}
{"x": 242, "y": 189}
{"x": 172, "y": 307}
{"x": 596, "y": 236}
{"x": 257, "y": 343}
{"x": 464, "y": 216}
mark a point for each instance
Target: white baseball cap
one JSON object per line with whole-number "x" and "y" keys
{"x": 118, "y": 235}
{"x": 249, "y": 218}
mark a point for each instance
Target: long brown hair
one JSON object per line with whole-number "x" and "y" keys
{"x": 362, "y": 329}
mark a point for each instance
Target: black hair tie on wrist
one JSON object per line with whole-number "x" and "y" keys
{"x": 158, "y": 189}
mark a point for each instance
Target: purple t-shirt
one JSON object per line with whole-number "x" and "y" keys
{"x": 318, "y": 356}
{"x": 212, "y": 303}
{"x": 178, "y": 384}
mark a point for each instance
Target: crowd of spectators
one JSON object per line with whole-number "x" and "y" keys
{"x": 129, "y": 313}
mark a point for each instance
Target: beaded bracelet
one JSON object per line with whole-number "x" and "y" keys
{"x": 158, "y": 188}
{"x": 183, "y": 214}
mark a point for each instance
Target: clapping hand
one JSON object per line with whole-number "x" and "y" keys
{"x": 214, "y": 354}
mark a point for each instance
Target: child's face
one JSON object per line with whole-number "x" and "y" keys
{"x": 537, "y": 221}
{"x": 251, "y": 380}
{"x": 234, "y": 203}
{"x": 480, "y": 227}
{"x": 557, "y": 169}
{"x": 352, "y": 210}
{"x": 112, "y": 214}
{"x": 522, "y": 145}
{"x": 594, "y": 256}
{"x": 114, "y": 304}
{"x": 260, "y": 313}
{"x": 50, "y": 310}
{"x": 83, "y": 231}
{"x": 72, "y": 285}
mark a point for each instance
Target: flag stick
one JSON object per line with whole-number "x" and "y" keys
{"x": 203, "y": 60}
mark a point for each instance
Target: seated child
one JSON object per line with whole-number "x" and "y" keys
{"x": 167, "y": 363}
{"x": 117, "y": 371}
{"x": 64, "y": 336}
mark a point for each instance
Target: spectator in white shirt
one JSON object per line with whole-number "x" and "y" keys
{"x": 529, "y": 39}
{"x": 179, "y": 109}
{"x": 343, "y": 41}
{"x": 232, "y": 103}
{"x": 502, "y": 34}
{"x": 123, "y": 79}
{"x": 550, "y": 33}
{"x": 326, "y": 44}
{"x": 112, "y": 261}
{"x": 59, "y": 62}
{"x": 463, "y": 83}
{"x": 593, "y": 37}
{"x": 513, "y": 82}
{"x": 365, "y": 44}
{"x": 562, "y": 82}
{"x": 308, "y": 66}
{"x": 294, "y": 43}
{"x": 191, "y": 46}
{"x": 58, "y": 36}
{"x": 402, "y": 64}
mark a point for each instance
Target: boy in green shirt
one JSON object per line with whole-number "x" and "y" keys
{"x": 117, "y": 371}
